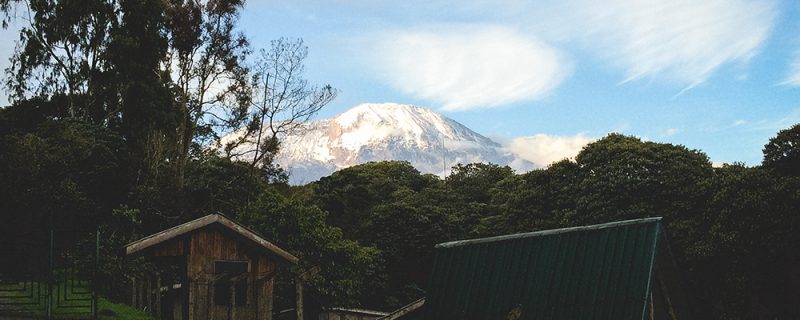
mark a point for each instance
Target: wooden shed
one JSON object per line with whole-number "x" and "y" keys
{"x": 208, "y": 268}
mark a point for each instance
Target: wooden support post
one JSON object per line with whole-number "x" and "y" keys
{"x": 299, "y": 288}
{"x": 133, "y": 292}
{"x": 266, "y": 298}
{"x": 150, "y": 294}
{"x": 190, "y": 286}
{"x": 210, "y": 298}
{"x": 232, "y": 304}
{"x": 140, "y": 295}
{"x": 299, "y": 306}
{"x": 158, "y": 296}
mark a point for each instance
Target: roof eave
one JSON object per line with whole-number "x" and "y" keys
{"x": 154, "y": 239}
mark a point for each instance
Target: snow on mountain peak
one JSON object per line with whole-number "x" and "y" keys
{"x": 367, "y": 124}
{"x": 385, "y": 131}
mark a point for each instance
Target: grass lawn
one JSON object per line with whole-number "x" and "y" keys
{"x": 70, "y": 301}
{"x": 110, "y": 310}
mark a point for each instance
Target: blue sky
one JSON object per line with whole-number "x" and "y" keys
{"x": 721, "y": 76}
{"x": 545, "y": 77}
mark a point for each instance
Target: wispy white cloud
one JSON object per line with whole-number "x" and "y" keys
{"x": 465, "y": 67}
{"x": 670, "y": 132}
{"x": 772, "y": 125}
{"x": 542, "y": 149}
{"x": 793, "y": 77}
{"x": 519, "y": 54}
{"x": 682, "y": 40}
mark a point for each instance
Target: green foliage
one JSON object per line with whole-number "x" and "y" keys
{"x": 536, "y": 200}
{"x": 350, "y": 194}
{"x": 744, "y": 249}
{"x": 393, "y": 207}
{"x": 623, "y": 178}
{"x": 219, "y": 185}
{"x": 148, "y": 117}
{"x": 346, "y": 268}
{"x": 474, "y": 181}
{"x": 782, "y": 153}
{"x": 405, "y": 229}
{"x": 61, "y": 174}
{"x": 60, "y": 52}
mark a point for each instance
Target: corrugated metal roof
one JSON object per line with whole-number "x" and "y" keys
{"x": 593, "y": 272}
{"x": 358, "y": 311}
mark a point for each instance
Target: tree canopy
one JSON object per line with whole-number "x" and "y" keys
{"x": 116, "y": 104}
{"x": 782, "y": 153}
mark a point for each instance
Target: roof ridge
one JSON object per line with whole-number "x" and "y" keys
{"x": 544, "y": 233}
{"x": 204, "y": 221}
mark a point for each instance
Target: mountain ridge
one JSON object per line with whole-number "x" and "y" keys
{"x": 367, "y": 132}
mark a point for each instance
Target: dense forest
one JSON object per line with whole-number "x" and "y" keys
{"x": 114, "y": 126}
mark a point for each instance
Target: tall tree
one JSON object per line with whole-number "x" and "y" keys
{"x": 102, "y": 60}
{"x": 61, "y": 51}
{"x": 282, "y": 102}
{"x": 113, "y": 70}
{"x": 207, "y": 56}
{"x": 138, "y": 44}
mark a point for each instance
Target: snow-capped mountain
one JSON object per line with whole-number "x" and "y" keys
{"x": 375, "y": 132}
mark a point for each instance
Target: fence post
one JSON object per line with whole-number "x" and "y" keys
{"x": 94, "y": 274}
{"x": 157, "y": 308}
{"x": 49, "y": 298}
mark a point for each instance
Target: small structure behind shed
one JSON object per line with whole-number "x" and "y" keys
{"x": 210, "y": 268}
{"x": 411, "y": 311}
{"x": 350, "y": 314}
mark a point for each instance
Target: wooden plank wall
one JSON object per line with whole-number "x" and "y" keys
{"x": 145, "y": 293}
{"x": 209, "y": 245}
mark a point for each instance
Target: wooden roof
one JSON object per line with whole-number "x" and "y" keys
{"x": 196, "y": 224}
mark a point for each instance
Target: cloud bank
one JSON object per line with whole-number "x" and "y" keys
{"x": 542, "y": 149}
{"x": 468, "y": 67}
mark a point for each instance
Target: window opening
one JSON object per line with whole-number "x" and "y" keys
{"x": 227, "y": 273}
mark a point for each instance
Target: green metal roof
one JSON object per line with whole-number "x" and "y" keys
{"x": 592, "y": 272}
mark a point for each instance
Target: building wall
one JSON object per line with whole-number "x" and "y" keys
{"x": 208, "y": 245}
